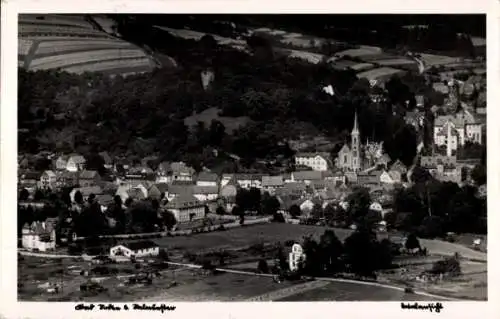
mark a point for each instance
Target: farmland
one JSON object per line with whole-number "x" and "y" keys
{"x": 72, "y": 44}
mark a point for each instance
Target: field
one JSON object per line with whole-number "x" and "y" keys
{"x": 230, "y": 123}
{"x": 339, "y": 291}
{"x": 72, "y": 44}
{"x": 378, "y": 73}
{"x": 364, "y": 50}
{"x": 270, "y": 233}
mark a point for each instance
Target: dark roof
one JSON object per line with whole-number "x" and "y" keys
{"x": 162, "y": 187}
{"x": 104, "y": 199}
{"x": 184, "y": 201}
{"x": 207, "y": 177}
{"x": 88, "y": 174}
{"x": 136, "y": 245}
{"x": 31, "y": 175}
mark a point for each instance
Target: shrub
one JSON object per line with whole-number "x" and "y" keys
{"x": 221, "y": 228}
{"x": 262, "y": 266}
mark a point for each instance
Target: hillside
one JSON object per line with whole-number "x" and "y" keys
{"x": 76, "y": 44}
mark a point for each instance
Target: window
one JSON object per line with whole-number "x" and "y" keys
{"x": 345, "y": 159}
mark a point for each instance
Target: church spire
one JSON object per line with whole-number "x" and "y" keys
{"x": 355, "y": 126}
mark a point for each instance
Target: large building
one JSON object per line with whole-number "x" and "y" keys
{"x": 349, "y": 157}
{"x": 317, "y": 161}
{"x": 453, "y": 131}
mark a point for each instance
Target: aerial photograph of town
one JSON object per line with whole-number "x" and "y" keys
{"x": 292, "y": 157}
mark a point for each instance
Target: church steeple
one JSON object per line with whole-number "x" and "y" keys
{"x": 355, "y": 145}
{"x": 355, "y": 129}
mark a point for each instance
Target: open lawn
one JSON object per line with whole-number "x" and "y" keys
{"x": 273, "y": 232}
{"x": 339, "y": 291}
{"x": 230, "y": 123}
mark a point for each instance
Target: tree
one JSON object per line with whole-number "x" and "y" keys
{"x": 24, "y": 194}
{"x": 449, "y": 266}
{"x": 78, "y": 198}
{"x": 39, "y": 195}
{"x": 262, "y": 266}
{"x": 270, "y": 205}
{"x": 361, "y": 249}
{"x": 295, "y": 211}
{"x": 220, "y": 210}
{"x": 169, "y": 220}
{"x": 280, "y": 255}
{"x": 478, "y": 174}
{"x": 412, "y": 242}
{"x": 330, "y": 250}
{"x": 313, "y": 264}
{"x": 359, "y": 203}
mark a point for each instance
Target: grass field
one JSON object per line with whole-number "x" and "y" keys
{"x": 230, "y": 123}
{"x": 273, "y": 232}
{"x": 353, "y": 292}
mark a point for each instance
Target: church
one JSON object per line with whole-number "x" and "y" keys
{"x": 357, "y": 157}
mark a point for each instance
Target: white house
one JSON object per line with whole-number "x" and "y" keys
{"x": 135, "y": 249}
{"x": 453, "y": 131}
{"x": 296, "y": 256}
{"x": 205, "y": 193}
{"x": 48, "y": 179}
{"x": 75, "y": 163}
{"x": 316, "y": 161}
{"x": 39, "y": 236}
{"x": 248, "y": 181}
{"x": 226, "y": 178}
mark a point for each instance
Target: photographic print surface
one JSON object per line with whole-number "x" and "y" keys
{"x": 251, "y": 157}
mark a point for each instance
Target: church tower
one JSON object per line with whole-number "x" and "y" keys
{"x": 355, "y": 146}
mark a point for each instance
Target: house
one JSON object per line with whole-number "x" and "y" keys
{"x": 122, "y": 191}
{"x": 181, "y": 172}
{"x": 66, "y": 179}
{"x": 136, "y": 194}
{"x": 226, "y": 178}
{"x": 205, "y": 193}
{"x": 29, "y": 180}
{"x": 375, "y": 206}
{"x": 207, "y": 179}
{"x": 134, "y": 180}
{"x": 62, "y": 162}
{"x": 141, "y": 170}
{"x": 88, "y": 178}
{"x": 228, "y": 191}
{"x": 186, "y": 207}
{"x": 85, "y": 191}
{"x": 105, "y": 200}
{"x": 135, "y": 249}
{"x": 75, "y": 163}
{"x": 294, "y": 189}
{"x": 316, "y": 161}
{"x": 369, "y": 179}
{"x": 453, "y": 131}
{"x": 335, "y": 175}
{"x": 39, "y": 236}
{"x": 48, "y": 179}
{"x": 108, "y": 162}
{"x": 431, "y": 163}
{"x": 441, "y": 87}
{"x": 271, "y": 183}
{"x": 390, "y": 177}
{"x": 164, "y": 173}
{"x": 306, "y": 176}
{"x": 154, "y": 192}
{"x": 248, "y": 181}
{"x": 175, "y": 190}
{"x": 399, "y": 167}
{"x": 415, "y": 119}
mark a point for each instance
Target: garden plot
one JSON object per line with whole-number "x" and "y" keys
{"x": 376, "y": 74}
{"x": 363, "y": 50}
{"x": 436, "y": 60}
